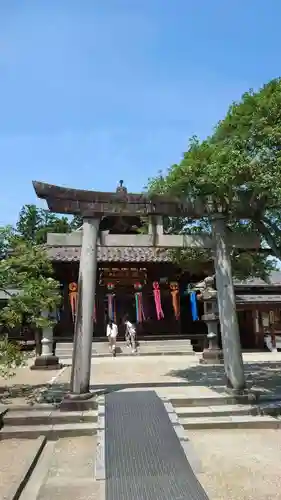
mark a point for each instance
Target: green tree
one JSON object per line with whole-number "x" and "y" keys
{"x": 76, "y": 222}
{"x": 25, "y": 268}
{"x": 35, "y": 223}
{"x": 239, "y": 164}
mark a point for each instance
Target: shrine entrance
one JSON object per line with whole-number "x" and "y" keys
{"x": 94, "y": 206}
{"x": 128, "y": 291}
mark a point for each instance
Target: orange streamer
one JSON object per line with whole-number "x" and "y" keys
{"x": 175, "y": 299}
{"x": 73, "y": 293}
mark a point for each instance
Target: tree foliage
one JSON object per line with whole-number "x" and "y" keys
{"x": 35, "y": 223}
{"x": 240, "y": 163}
{"x": 27, "y": 282}
{"x": 27, "y": 268}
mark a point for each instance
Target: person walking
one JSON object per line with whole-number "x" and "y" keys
{"x": 111, "y": 333}
{"x": 130, "y": 334}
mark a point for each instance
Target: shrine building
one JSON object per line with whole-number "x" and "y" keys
{"x": 125, "y": 272}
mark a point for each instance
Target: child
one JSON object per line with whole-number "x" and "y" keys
{"x": 130, "y": 334}
{"x": 111, "y": 333}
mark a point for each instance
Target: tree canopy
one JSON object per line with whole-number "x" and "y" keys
{"x": 27, "y": 268}
{"x": 26, "y": 278}
{"x": 239, "y": 163}
{"x": 35, "y": 223}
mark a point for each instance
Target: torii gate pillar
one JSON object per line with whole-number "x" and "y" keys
{"x": 83, "y": 331}
{"x": 233, "y": 361}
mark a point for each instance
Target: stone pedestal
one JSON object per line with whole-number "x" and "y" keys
{"x": 233, "y": 361}
{"x": 212, "y": 354}
{"x": 47, "y": 360}
{"x": 84, "y": 323}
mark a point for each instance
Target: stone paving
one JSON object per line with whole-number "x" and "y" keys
{"x": 180, "y": 374}
{"x": 65, "y": 471}
{"x": 14, "y": 455}
{"x": 237, "y": 464}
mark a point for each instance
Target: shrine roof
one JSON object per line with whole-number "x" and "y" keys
{"x": 274, "y": 280}
{"x": 258, "y": 299}
{"x": 110, "y": 254}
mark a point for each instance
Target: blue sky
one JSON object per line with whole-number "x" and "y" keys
{"x": 98, "y": 90}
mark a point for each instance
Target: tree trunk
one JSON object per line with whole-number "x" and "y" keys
{"x": 261, "y": 227}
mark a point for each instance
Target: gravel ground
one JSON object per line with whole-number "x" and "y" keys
{"x": 239, "y": 465}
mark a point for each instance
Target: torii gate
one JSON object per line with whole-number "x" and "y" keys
{"x": 93, "y": 206}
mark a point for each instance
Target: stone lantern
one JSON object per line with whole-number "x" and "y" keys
{"x": 208, "y": 295}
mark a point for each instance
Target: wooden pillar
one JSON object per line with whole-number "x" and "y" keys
{"x": 233, "y": 361}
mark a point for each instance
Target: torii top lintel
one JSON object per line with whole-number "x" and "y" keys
{"x": 90, "y": 203}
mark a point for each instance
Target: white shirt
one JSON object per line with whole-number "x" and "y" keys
{"x": 112, "y": 331}
{"x": 130, "y": 328}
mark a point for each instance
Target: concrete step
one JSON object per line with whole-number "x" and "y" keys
{"x": 215, "y": 411}
{"x": 145, "y": 348}
{"x": 46, "y": 417}
{"x": 95, "y": 345}
{"x": 65, "y": 470}
{"x": 181, "y": 401}
{"x": 233, "y": 422}
{"x": 49, "y": 431}
{"x": 18, "y": 457}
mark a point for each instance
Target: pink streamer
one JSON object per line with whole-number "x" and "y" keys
{"x": 157, "y": 299}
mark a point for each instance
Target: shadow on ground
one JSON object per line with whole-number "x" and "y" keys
{"x": 263, "y": 376}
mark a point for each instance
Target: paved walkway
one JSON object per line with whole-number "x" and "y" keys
{"x": 236, "y": 464}
{"x": 167, "y": 374}
{"x": 178, "y": 374}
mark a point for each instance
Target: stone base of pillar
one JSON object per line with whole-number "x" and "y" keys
{"x": 242, "y": 396}
{"x": 212, "y": 357}
{"x": 46, "y": 363}
{"x": 80, "y": 402}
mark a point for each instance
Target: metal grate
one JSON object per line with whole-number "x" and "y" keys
{"x": 143, "y": 456}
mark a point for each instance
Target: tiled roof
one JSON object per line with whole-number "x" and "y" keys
{"x": 111, "y": 254}
{"x": 274, "y": 280}
{"x": 258, "y": 299}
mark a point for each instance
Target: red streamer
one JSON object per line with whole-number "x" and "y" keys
{"x": 73, "y": 294}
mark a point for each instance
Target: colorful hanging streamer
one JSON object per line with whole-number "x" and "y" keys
{"x": 111, "y": 307}
{"x": 193, "y": 302}
{"x": 111, "y": 302}
{"x": 73, "y": 294}
{"x": 174, "y": 287}
{"x": 139, "y": 307}
{"x": 139, "y": 303}
{"x": 157, "y": 300}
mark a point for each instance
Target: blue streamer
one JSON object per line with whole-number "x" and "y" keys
{"x": 193, "y": 302}
{"x": 137, "y": 307}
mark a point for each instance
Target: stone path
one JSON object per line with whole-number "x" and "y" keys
{"x": 16, "y": 456}
{"x": 236, "y": 464}
{"x": 65, "y": 471}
